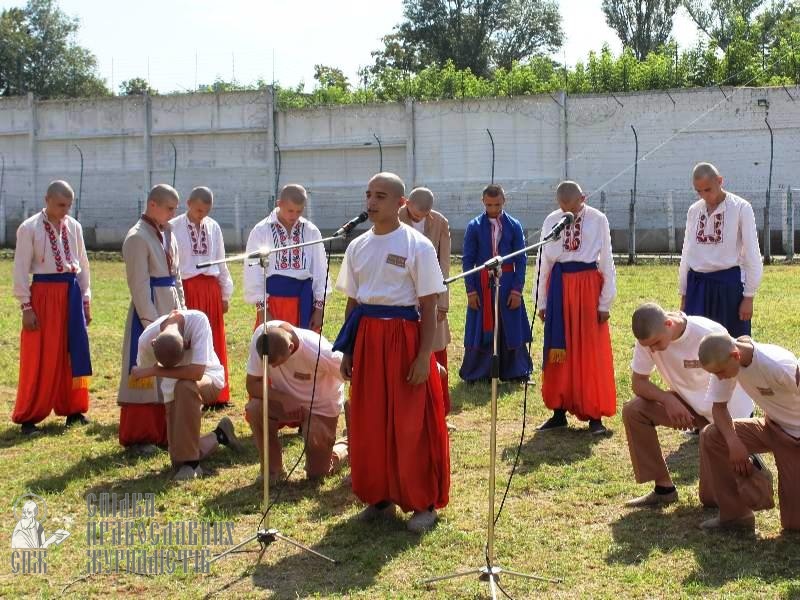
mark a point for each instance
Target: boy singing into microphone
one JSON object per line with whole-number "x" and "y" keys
{"x": 577, "y": 283}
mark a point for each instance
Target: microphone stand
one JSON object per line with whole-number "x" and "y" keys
{"x": 266, "y": 535}
{"x": 490, "y": 572}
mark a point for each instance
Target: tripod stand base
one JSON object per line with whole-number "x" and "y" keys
{"x": 266, "y": 537}
{"x": 491, "y": 575}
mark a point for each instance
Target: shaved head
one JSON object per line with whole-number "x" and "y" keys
{"x": 203, "y": 194}
{"x": 60, "y": 188}
{"x": 703, "y": 170}
{"x": 278, "y": 344}
{"x": 648, "y": 320}
{"x": 294, "y": 193}
{"x": 715, "y": 349}
{"x": 421, "y": 198}
{"x": 168, "y": 347}
{"x": 568, "y": 189}
{"x": 392, "y": 181}
{"x": 161, "y": 193}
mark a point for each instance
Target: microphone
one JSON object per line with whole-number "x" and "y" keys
{"x": 345, "y": 229}
{"x": 567, "y": 219}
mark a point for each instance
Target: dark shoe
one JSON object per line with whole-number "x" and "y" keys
{"x": 30, "y": 430}
{"x": 653, "y": 499}
{"x": 76, "y": 419}
{"x": 596, "y": 427}
{"x": 373, "y": 513}
{"x": 557, "y": 421}
{"x": 746, "y": 523}
{"x": 231, "y": 441}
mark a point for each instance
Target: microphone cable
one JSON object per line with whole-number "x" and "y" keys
{"x": 282, "y": 483}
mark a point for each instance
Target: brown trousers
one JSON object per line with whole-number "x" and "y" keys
{"x": 319, "y": 435}
{"x": 758, "y": 435}
{"x": 184, "y": 414}
{"x": 641, "y": 417}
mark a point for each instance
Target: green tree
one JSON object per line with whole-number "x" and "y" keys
{"x": 478, "y": 35}
{"x": 718, "y": 18}
{"x": 330, "y": 77}
{"x": 38, "y": 54}
{"x": 138, "y": 86}
{"x": 642, "y": 25}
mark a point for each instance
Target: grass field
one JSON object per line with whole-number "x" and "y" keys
{"x": 563, "y": 517}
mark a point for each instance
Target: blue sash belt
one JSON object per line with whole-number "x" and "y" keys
{"x": 136, "y": 325}
{"x": 77, "y": 336}
{"x": 289, "y": 287}
{"x": 346, "y": 340}
{"x": 555, "y": 337}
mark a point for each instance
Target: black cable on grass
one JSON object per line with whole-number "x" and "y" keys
{"x": 307, "y": 424}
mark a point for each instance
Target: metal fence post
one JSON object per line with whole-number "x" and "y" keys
{"x": 603, "y": 202}
{"x": 632, "y": 230}
{"x": 789, "y": 224}
{"x": 670, "y": 223}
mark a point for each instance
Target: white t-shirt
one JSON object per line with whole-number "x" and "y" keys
{"x": 419, "y": 225}
{"x": 393, "y": 269}
{"x": 586, "y": 239}
{"x": 681, "y": 369}
{"x": 296, "y": 375}
{"x": 724, "y": 239}
{"x": 197, "y": 332}
{"x": 772, "y": 380}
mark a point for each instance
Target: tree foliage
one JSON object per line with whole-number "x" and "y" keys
{"x": 642, "y": 25}
{"x": 478, "y": 35}
{"x": 38, "y": 54}
{"x": 137, "y": 86}
{"x": 723, "y": 20}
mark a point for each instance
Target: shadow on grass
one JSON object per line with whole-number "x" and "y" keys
{"x": 721, "y": 557}
{"x": 684, "y": 461}
{"x": 360, "y": 549}
{"x": 556, "y": 447}
{"x": 88, "y": 468}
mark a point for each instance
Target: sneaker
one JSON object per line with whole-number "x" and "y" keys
{"x": 373, "y": 513}
{"x": 143, "y": 449}
{"x": 30, "y": 430}
{"x": 422, "y": 521}
{"x": 554, "y": 422}
{"x": 76, "y": 419}
{"x": 596, "y": 427}
{"x": 185, "y": 473}
{"x": 653, "y": 499}
{"x": 746, "y": 523}
{"x": 691, "y": 432}
{"x": 451, "y": 427}
{"x": 199, "y": 472}
{"x": 226, "y": 426}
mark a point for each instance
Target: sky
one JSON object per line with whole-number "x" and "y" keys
{"x": 178, "y": 44}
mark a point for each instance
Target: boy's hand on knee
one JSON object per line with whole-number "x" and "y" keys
{"x": 603, "y": 316}
{"x": 678, "y": 415}
{"x": 739, "y": 457}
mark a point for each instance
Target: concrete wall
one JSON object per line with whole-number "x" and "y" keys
{"x": 244, "y": 150}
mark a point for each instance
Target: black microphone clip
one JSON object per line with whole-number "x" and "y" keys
{"x": 345, "y": 229}
{"x": 567, "y": 219}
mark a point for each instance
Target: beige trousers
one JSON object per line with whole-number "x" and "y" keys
{"x": 641, "y": 417}
{"x": 758, "y": 435}
{"x": 184, "y": 414}
{"x": 319, "y": 435}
